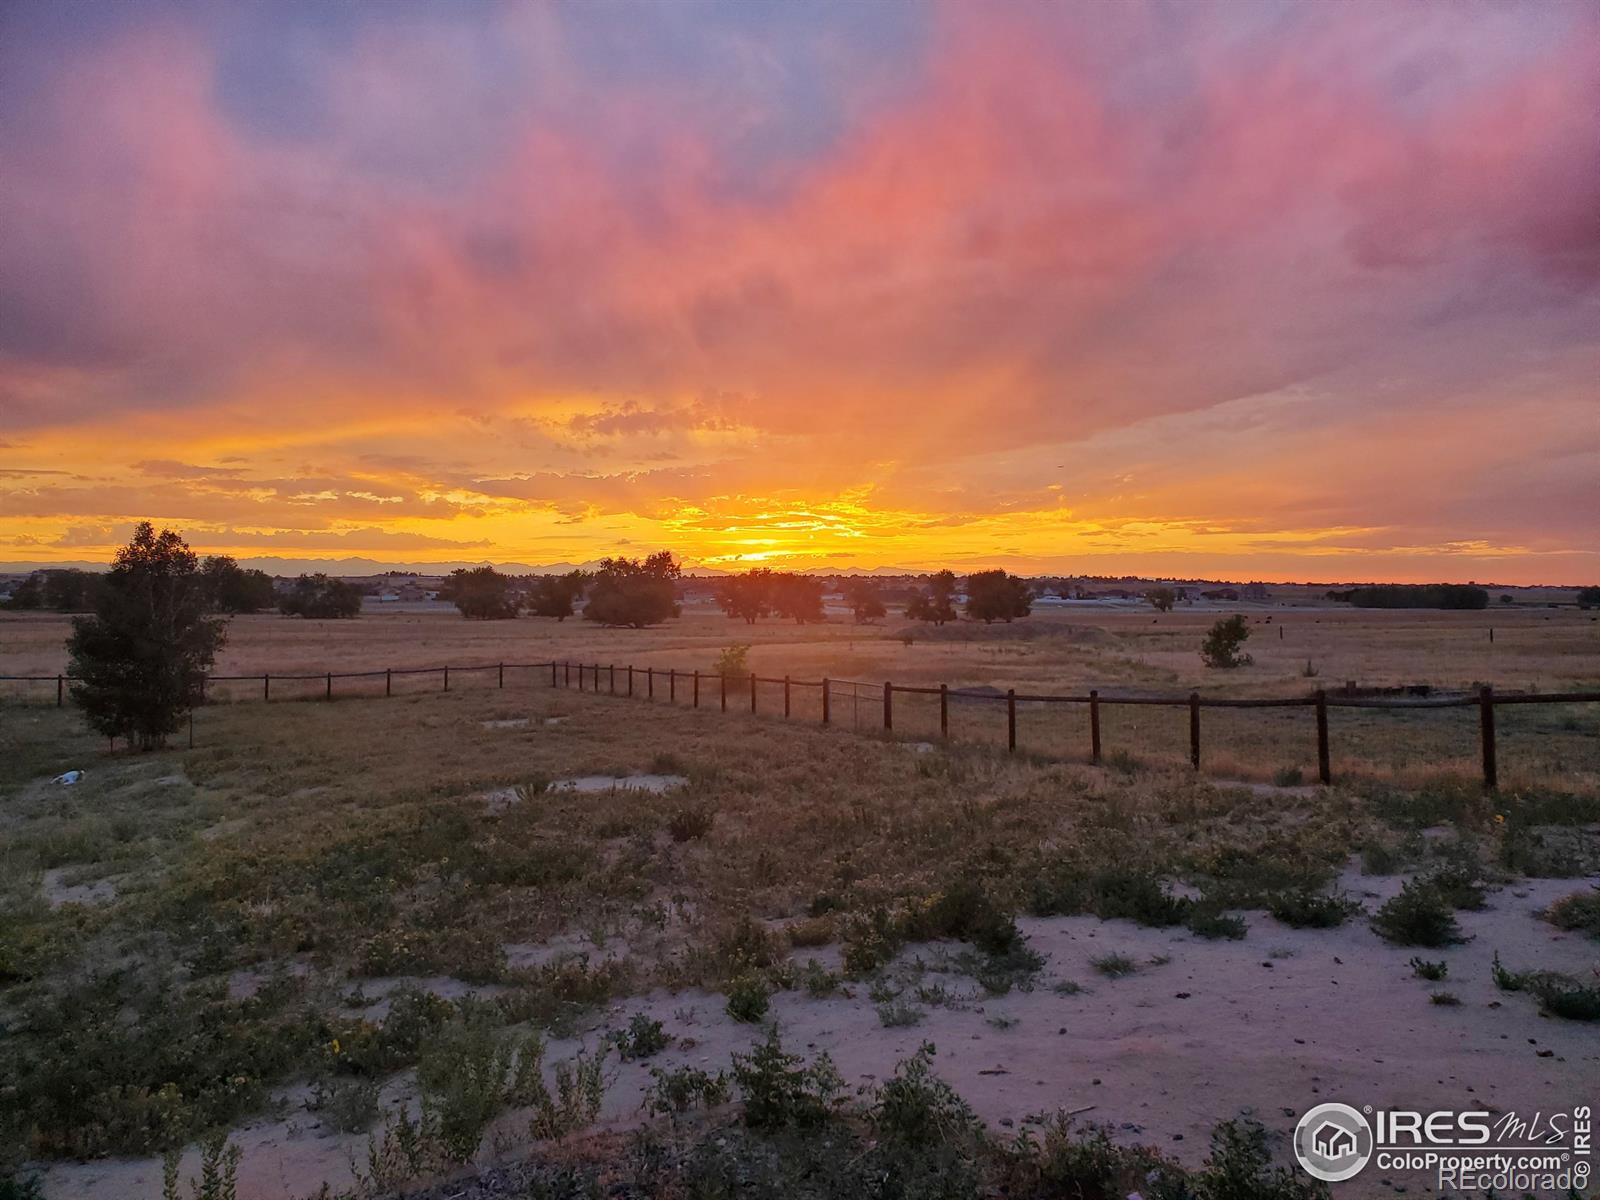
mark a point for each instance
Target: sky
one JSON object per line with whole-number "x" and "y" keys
{"x": 1238, "y": 290}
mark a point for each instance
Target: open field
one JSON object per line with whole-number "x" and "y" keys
{"x": 1118, "y": 651}
{"x": 269, "y": 932}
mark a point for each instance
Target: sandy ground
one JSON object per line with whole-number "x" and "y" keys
{"x": 1264, "y": 1027}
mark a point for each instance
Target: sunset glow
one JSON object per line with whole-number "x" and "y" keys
{"x": 1258, "y": 290}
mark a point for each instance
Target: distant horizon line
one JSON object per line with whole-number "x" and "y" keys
{"x": 371, "y": 568}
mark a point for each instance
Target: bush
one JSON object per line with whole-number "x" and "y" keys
{"x": 1215, "y": 925}
{"x": 320, "y": 598}
{"x": 779, "y": 1092}
{"x": 1578, "y": 911}
{"x": 1305, "y": 909}
{"x": 1134, "y": 895}
{"x": 1418, "y": 916}
{"x": 1221, "y": 648}
{"x": 642, "y": 1039}
{"x": 1433, "y": 971}
{"x": 748, "y": 999}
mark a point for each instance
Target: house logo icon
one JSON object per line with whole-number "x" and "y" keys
{"x": 1333, "y": 1142}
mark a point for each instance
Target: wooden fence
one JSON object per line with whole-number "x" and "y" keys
{"x": 696, "y": 688}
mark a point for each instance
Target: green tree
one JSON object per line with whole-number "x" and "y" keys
{"x": 234, "y": 589}
{"x": 634, "y": 593}
{"x": 319, "y": 597}
{"x": 555, "y": 595}
{"x": 1221, "y": 647}
{"x": 1162, "y": 598}
{"x": 865, "y": 601}
{"x": 481, "y": 594}
{"x": 140, "y": 661}
{"x": 798, "y": 598}
{"x": 70, "y": 590}
{"x": 936, "y": 603}
{"x": 1589, "y": 597}
{"x": 997, "y": 596}
{"x": 748, "y": 596}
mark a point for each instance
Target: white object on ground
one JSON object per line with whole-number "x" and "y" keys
{"x": 68, "y": 778}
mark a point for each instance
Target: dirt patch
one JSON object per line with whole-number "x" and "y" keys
{"x": 620, "y": 783}
{"x": 59, "y": 892}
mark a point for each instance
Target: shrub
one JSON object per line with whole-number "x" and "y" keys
{"x": 779, "y": 1092}
{"x": 1215, "y": 925}
{"x": 1444, "y": 999}
{"x": 1418, "y": 916}
{"x": 918, "y": 1111}
{"x": 898, "y": 1014}
{"x": 1434, "y": 971}
{"x": 1458, "y": 886}
{"x": 219, "y": 1171}
{"x": 1288, "y": 777}
{"x": 346, "y": 1104}
{"x": 580, "y": 1091}
{"x": 748, "y": 999}
{"x": 1563, "y": 997}
{"x": 1136, "y": 895}
{"x": 1221, "y": 648}
{"x": 463, "y": 1077}
{"x": 1306, "y": 909}
{"x": 1578, "y": 911}
{"x": 1239, "y": 1167}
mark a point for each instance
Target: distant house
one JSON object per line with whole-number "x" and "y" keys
{"x": 1256, "y": 591}
{"x": 1221, "y": 594}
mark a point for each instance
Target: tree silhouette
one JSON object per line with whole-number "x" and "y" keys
{"x": 865, "y": 601}
{"x": 555, "y": 595}
{"x": 748, "y": 596}
{"x": 936, "y": 603}
{"x": 481, "y": 593}
{"x": 1162, "y": 598}
{"x": 319, "y": 597}
{"x": 1221, "y": 646}
{"x": 234, "y": 589}
{"x": 140, "y": 661}
{"x": 997, "y": 596}
{"x": 798, "y": 597}
{"x": 634, "y": 593}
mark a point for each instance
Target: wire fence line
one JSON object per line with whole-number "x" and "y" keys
{"x": 859, "y": 703}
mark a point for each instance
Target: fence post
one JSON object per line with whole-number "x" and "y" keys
{"x": 1324, "y": 770}
{"x": 329, "y": 693}
{"x": 1280, "y": 633}
{"x": 1491, "y": 773}
{"x": 611, "y": 677}
{"x": 650, "y": 683}
{"x": 388, "y": 681}
{"x": 266, "y": 687}
{"x": 630, "y": 679}
{"x": 888, "y": 706}
{"x": 566, "y": 673}
{"x": 1094, "y": 726}
{"x": 502, "y": 674}
{"x": 1491, "y": 635}
{"x": 752, "y": 691}
{"x": 785, "y": 696}
{"x": 697, "y": 687}
{"x": 552, "y": 674}
{"x": 1011, "y": 719}
{"x": 59, "y": 686}
{"x": 672, "y": 685}
{"x": 825, "y": 699}
{"x": 944, "y": 710}
{"x": 1194, "y": 729}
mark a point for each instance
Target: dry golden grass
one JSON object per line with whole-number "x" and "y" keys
{"x": 1134, "y": 650}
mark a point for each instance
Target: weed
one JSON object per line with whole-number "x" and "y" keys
{"x": 1134, "y": 895}
{"x": 641, "y": 1039}
{"x": 813, "y": 931}
{"x": 1506, "y": 981}
{"x": 677, "y": 1091}
{"x": 580, "y": 1091}
{"x": 1418, "y": 916}
{"x": 1114, "y": 966}
{"x": 1424, "y": 969}
{"x": 899, "y": 1014}
{"x": 1444, "y": 999}
{"x": 219, "y": 1171}
{"x": 691, "y": 822}
{"x": 817, "y": 980}
{"x": 1563, "y": 997}
{"x": 1286, "y": 777}
{"x": 1068, "y": 987}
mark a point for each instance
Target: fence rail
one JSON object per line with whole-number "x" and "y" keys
{"x": 645, "y": 682}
